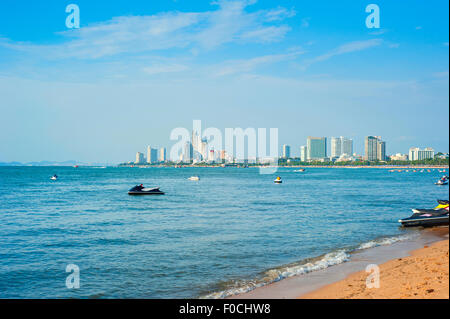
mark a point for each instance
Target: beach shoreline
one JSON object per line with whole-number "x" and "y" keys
{"x": 422, "y": 275}
{"x": 329, "y": 283}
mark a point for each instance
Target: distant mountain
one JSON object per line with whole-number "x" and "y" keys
{"x": 53, "y": 163}
{"x": 11, "y": 164}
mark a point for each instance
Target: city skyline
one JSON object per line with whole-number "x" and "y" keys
{"x": 197, "y": 150}
{"x": 78, "y": 93}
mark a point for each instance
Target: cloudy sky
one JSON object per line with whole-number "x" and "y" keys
{"x": 135, "y": 70}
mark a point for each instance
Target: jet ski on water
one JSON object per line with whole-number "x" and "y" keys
{"x": 443, "y": 180}
{"x": 54, "y": 177}
{"x": 141, "y": 190}
{"x": 278, "y": 180}
{"x": 428, "y": 217}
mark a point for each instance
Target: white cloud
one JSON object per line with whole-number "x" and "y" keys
{"x": 242, "y": 66}
{"x": 230, "y": 22}
{"x": 279, "y": 14}
{"x": 165, "y": 68}
{"x": 345, "y": 48}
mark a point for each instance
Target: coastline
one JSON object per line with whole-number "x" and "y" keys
{"x": 293, "y": 166}
{"x": 422, "y": 275}
{"x": 310, "y": 285}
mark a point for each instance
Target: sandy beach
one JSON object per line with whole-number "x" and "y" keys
{"x": 416, "y": 268}
{"x": 423, "y": 275}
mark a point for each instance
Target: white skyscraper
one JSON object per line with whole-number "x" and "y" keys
{"x": 286, "y": 151}
{"x": 336, "y": 147}
{"x": 162, "y": 155}
{"x": 139, "y": 158}
{"x": 303, "y": 153}
{"x": 416, "y": 154}
{"x": 341, "y": 145}
{"x": 346, "y": 146}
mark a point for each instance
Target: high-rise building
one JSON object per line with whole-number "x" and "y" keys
{"x": 370, "y": 148}
{"x": 188, "y": 152}
{"x": 139, "y": 158}
{"x": 375, "y": 149}
{"x": 303, "y": 153}
{"x": 316, "y": 148}
{"x": 416, "y": 154}
{"x": 381, "y": 151}
{"x": 162, "y": 155}
{"x": 346, "y": 146}
{"x": 336, "y": 147}
{"x": 211, "y": 156}
{"x": 340, "y": 146}
{"x": 286, "y": 151}
{"x": 152, "y": 155}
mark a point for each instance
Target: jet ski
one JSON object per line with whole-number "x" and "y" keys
{"x": 141, "y": 190}
{"x": 442, "y": 181}
{"x": 278, "y": 180}
{"x": 428, "y": 217}
{"x": 54, "y": 177}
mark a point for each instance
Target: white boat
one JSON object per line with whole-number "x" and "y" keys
{"x": 54, "y": 177}
{"x": 194, "y": 178}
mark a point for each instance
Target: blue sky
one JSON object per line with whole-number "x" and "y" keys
{"x": 137, "y": 69}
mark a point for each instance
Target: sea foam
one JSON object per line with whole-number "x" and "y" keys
{"x": 322, "y": 262}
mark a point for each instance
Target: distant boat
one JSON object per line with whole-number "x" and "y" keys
{"x": 54, "y": 177}
{"x": 194, "y": 178}
{"x": 75, "y": 166}
{"x": 278, "y": 180}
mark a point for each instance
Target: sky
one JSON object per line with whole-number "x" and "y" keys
{"x": 135, "y": 70}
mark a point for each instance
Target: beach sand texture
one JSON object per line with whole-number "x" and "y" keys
{"x": 423, "y": 275}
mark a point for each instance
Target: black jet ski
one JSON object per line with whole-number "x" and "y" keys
{"x": 141, "y": 190}
{"x": 428, "y": 217}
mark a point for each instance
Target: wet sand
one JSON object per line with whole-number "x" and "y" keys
{"x": 320, "y": 284}
{"x": 423, "y": 275}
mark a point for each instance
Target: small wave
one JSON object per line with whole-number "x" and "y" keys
{"x": 277, "y": 274}
{"x": 385, "y": 241}
{"x": 304, "y": 267}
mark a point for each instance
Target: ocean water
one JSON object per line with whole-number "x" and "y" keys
{"x": 230, "y": 232}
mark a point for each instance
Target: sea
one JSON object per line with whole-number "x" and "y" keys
{"x": 228, "y": 233}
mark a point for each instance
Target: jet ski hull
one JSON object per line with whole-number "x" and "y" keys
{"x": 145, "y": 193}
{"x": 424, "y": 221}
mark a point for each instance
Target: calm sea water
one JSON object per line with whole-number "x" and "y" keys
{"x": 231, "y": 231}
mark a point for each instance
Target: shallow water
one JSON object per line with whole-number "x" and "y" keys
{"x": 231, "y": 230}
